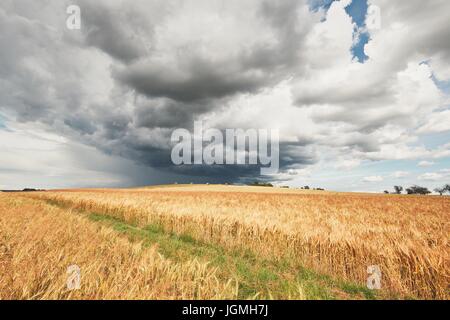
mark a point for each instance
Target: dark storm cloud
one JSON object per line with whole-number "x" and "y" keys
{"x": 174, "y": 94}
{"x": 195, "y": 76}
{"x": 166, "y": 95}
{"x": 283, "y": 16}
{"x": 197, "y": 79}
{"x": 295, "y": 156}
{"x": 196, "y": 83}
{"x": 80, "y": 124}
{"x": 115, "y": 32}
{"x": 18, "y": 90}
{"x": 167, "y": 113}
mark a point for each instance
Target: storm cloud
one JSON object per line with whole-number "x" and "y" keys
{"x": 137, "y": 70}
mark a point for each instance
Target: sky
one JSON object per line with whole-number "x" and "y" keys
{"x": 359, "y": 90}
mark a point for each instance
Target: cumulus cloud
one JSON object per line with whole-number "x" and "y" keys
{"x": 436, "y": 122}
{"x": 425, "y": 163}
{"x": 400, "y": 174}
{"x": 435, "y": 176}
{"x": 373, "y": 179}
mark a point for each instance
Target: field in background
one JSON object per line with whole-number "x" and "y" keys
{"x": 256, "y": 241}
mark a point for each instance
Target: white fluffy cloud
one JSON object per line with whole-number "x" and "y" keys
{"x": 436, "y": 122}
{"x": 425, "y": 163}
{"x": 400, "y": 174}
{"x": 435, "y": 176}
{"x": 373, "y": 179}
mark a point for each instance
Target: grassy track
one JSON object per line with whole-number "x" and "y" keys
{"x": 256, "y": 277}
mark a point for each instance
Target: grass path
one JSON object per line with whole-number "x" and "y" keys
{"x": 256, "y": 277}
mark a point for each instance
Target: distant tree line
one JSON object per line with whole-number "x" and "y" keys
{"x": 23, "y": 190}
{"x": 308, "y": 188}
{"x": 261, "y": 184}
{"x": 267, "y": 184}
{"x": 420, "y": 190}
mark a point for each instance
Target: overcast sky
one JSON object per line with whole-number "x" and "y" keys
{"x": 359, "y": 106}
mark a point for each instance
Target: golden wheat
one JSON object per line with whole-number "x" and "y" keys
{"x": 38, "y": 242}
{"x": 333, "y": 233}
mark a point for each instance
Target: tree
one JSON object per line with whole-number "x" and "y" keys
{"x": 443, "y": 189}
{"x": 398, "y": 189}
{"x": 418, "y": 190}
{"x": 261, "y": 184}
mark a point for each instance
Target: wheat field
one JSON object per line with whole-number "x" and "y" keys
{"x": 334, "y": 234}
{"x": 38, "y": 242}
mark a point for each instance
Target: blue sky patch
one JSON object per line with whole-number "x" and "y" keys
{"x": 357, "y": 10}
{"x": 444, "y": 86}
{"x": 315, "y": 5}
